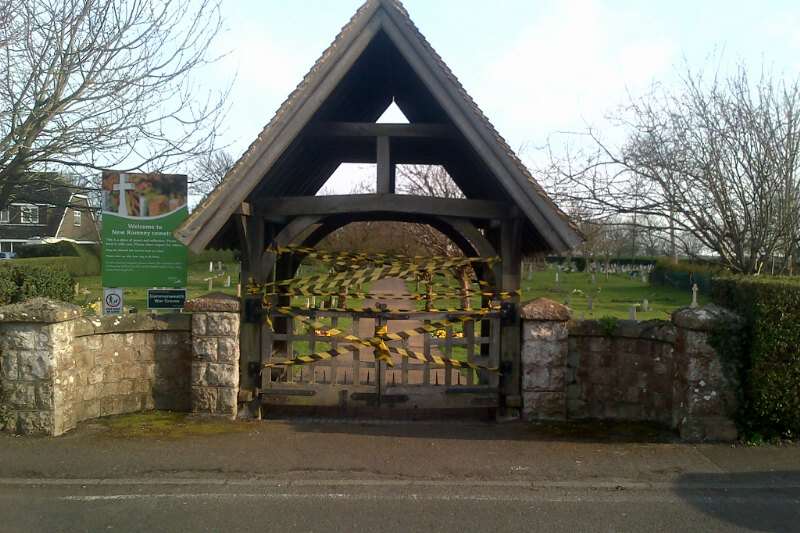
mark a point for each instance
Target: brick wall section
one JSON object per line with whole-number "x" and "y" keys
{"x": 624, "y": 374}
{"x": 34, "y": 340}
{"x": 215, "y": 355}
{"x": 57, "y": 369}
{"x": 544, "y": 360}
{"x": 128, "y": 364}
{"x": 704, "y": 395}
{"x": 662, "y": 371}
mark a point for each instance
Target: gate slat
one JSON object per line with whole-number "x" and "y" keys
{"x": 448, "y": 352}
{"x": 426, "y": 349}
{"x": 356, "y": 354}
{"x": 334, "y": 344}
{"x": 469, "y": 336}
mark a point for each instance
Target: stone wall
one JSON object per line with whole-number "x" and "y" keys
{"x": 215, "y": 355}
{"x": 624, "y": 374}
{"x": 127, "y": 364}
{"x": 660, "y": 371}
{"x": 57, "y": 368}
{"x": 34, "y": 340}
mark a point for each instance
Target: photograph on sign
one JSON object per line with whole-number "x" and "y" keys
{"x": 140, "y": 212}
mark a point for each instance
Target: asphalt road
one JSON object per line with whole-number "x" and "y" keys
{"x": 317, "y": 475}
{"x": 391, "y": 506}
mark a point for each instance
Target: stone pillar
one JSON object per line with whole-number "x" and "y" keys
{"x": 544, "y": 360}
{"x": 36, "y": 386}
{"x": 704, "y": 394}
{"x": 215, "y": 354}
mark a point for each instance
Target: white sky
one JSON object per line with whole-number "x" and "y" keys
{"x": 535, "y": 67}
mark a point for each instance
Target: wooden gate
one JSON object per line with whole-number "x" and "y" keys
{"x": 375, "y": 360}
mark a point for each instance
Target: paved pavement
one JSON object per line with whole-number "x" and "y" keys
{"x": 314, "y": 475}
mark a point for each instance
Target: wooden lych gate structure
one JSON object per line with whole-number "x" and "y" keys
{"x": 268, "y": 201}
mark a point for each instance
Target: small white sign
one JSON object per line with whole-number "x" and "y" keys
{"x": 112, "y": 301}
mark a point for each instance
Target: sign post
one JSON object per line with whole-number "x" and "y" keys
{"x": 140, "y": 212}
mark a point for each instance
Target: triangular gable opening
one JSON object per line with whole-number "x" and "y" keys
{"x": 393, "y": 115}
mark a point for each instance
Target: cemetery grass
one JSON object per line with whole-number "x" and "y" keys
{"x": 612, "y": 296}
{"x": 90, "y": 288}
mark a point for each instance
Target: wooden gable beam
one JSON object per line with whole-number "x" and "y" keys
{"x": 372, "y": 129}
{"x": 383, "y": 203}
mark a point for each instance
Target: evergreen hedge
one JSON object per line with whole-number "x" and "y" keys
{"x": 76, "y": 259}
{"x": 684, "y": 274}
{"x": 768, "y": 355}
{"x": 22, "y": 282}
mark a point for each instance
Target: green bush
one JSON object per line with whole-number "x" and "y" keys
{"x": 769, "y": 354}
{"x": 77, "y": 259}
{"x": 20, "y": 283}
{"x": 685, "y": 274}
{"x": 56, "y": 249}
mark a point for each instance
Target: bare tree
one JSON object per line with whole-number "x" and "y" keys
{"x": 95, "y": 84}
{"x": 209, "y": 171}
{"x": 429, "y": 180}
{"x": 714, "y": 162}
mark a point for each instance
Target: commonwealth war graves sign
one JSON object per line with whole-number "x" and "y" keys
{"x": 140, "y": 212}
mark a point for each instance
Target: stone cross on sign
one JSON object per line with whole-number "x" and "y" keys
{"x": 123, "y": 186}
{"x": 694, "y": 297}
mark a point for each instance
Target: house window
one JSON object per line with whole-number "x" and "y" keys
{"x": 5, "y": 216}
{"x": 76, "y": 218}
{"x": 29, "y": 214}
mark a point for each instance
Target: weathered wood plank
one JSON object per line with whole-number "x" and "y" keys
{"x": 372, "y": 129}
{"x": 383, "y": 203}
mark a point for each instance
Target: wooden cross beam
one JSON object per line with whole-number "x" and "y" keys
{"x": 372, "y": 129}
{"x": 290, "y": 206}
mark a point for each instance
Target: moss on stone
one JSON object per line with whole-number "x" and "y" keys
{"x": 168, "y": 425}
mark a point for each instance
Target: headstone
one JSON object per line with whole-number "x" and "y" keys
{"x": 210, "y": 284}
{"x": 590, "y": 302}
{"x": 211, "y": 266}
{"x": 633, "y": 312}
{"x": 694, "y": 303}
{"x": 228, "y": 281}
{"x": 646, "y": 305}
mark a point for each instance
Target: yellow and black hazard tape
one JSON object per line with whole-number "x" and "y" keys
{"x": 350, "y": 258}
{"x": 383, "y": 353}
{"x": 315, "y": 357}
{"x": 301, "y": 291}
{"x": 429, "y": 328}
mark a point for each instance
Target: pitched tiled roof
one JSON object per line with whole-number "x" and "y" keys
{"x": 320, "y": 68}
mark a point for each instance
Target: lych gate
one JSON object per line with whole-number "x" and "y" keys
{"x": 267, "y": 201}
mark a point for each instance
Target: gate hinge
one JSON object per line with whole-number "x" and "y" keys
{"x": 253, "y": 310}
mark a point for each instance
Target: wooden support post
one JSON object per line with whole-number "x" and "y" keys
{"x": 251, "y": 230}
{"x": 508, "y": 241}
{"x": 385, "y": 166}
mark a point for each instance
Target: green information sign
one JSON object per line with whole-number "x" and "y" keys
{"x": 166, "y": 298}
{"x": 140, "y": 212}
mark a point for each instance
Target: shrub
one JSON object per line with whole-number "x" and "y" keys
{"x": 685, "y": 274}
{"x": 19, "y": 283}
{"x": 56, "y": 249}
{"x": 77, "y": 259}
{"x": 769, "y": 356}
